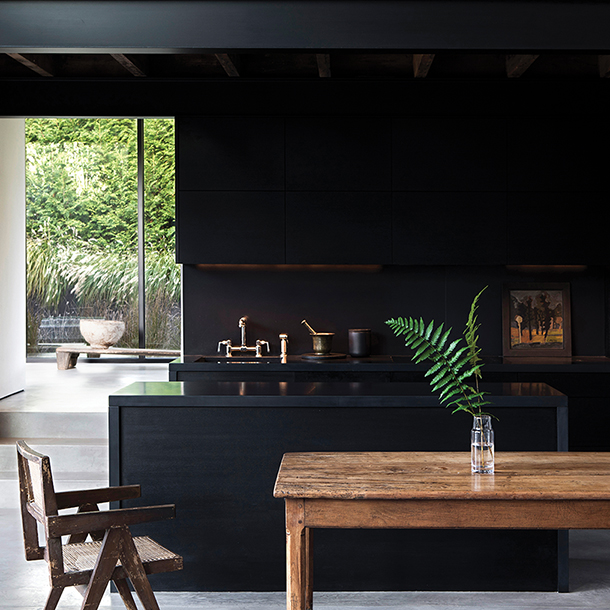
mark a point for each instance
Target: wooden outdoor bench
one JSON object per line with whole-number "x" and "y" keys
{"x": 67, "y": 355}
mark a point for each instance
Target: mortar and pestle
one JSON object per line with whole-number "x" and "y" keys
{"x": 322, "y": 342}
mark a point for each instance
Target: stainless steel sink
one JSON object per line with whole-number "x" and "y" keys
{"x": 245, "y": 359}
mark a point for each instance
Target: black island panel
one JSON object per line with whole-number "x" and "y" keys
{"x": 214, "y": 448}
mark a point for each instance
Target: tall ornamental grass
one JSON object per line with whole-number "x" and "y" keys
{"x": 87, "y": 280}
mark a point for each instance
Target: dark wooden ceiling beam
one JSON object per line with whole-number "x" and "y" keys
{"x": 421, "y": 64}
{"x": 323, "y": 61}
{"x": 128, "y": 64}
{"x": 516, "y": 65}
{"x": 31, "y": 64}
{"x": 603, "y": 61}
{"x": 230, "y": 64}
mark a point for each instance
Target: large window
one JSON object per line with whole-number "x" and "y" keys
{"x": 88, "y": 256}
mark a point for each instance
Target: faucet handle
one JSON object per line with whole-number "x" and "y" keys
{"x": 259, "y": 345}
{"x": 227, "y": 343}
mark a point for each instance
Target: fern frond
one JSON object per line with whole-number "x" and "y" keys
{"x": 452, "y": 364}
{"x": 433, "y": 369}
{"x": 437, "y": 334}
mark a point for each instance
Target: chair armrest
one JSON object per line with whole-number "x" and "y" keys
{"x": 69, "y": 499}
{"x": 80, "y": 523}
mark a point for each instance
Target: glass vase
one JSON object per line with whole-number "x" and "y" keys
{"x": 482, "y": 445}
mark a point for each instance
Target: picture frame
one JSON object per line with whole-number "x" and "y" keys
{"x": 536, "y": 323}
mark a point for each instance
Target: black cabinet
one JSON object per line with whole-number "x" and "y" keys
{"x": 230, "y": 182}
{"x": 449, "y": 228}
{"x": 560, "y": 154}
{"x": 557, "y": 191}
{"x": 230, "y": 227}
{"x": 405, "y": 190}
{"x": 557, "y": 228}
{"x": 448, "y": 154}
{"x": 338, "y": 154}
{"x": 338, "y": 228}
{"x": 230, "y": 154}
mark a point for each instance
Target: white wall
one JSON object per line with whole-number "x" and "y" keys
{"x": 12, "y": 256}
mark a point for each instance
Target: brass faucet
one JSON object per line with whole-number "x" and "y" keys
{"x": 257, "y": 349}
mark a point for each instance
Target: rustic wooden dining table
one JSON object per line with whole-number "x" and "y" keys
{"x": 432, "y": 490}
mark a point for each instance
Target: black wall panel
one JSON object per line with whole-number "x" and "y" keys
{"x": 335, "y": 300}
{"x": 322, "y": 97}
{"x": 331, "y": 299}
{"x": 338, "y": 228}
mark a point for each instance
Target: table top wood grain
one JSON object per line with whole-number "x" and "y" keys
{"x": 444, "y": 475}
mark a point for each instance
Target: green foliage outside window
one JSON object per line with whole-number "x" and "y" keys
{"x": 81, "y": 189}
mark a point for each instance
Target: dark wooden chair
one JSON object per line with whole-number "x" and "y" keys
{"x": 112, "y": 554}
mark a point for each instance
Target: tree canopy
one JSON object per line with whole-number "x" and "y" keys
{"x": 81, "y": 181}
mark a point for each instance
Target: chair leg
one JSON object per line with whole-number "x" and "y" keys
{"x": 123, "y": 589}
{"x": 133, "y": 566}
{"x": 102, "y": 572}
{"x": 53, "y": 598}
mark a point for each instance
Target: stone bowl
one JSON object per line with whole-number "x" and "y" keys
{"x": 102, "y": 333}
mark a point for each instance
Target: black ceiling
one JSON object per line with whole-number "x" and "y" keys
{"x": 335, "y": 65}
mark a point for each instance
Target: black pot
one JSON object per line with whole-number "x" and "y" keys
{"x": 359, "y": 342}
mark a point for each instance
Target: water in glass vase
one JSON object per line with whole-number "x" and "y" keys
{"x": 482, "y": 445}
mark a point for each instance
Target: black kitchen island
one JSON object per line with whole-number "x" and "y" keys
{"x": 214, "y": 449}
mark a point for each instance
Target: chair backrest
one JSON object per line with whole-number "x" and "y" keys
{"x": 37, "y": 495}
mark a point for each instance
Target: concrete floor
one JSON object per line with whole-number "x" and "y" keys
{"x": 84, "y": 390}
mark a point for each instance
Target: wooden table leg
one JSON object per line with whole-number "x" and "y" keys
{"x": 309, "y": 569}
{"x": 296, "y": 555}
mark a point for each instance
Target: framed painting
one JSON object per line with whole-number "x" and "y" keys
{"x": 536, "y": 322}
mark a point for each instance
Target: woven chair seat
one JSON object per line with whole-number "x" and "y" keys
{"x": 81, "y": 556}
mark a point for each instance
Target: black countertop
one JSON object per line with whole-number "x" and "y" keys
{"x": 397, "y": 363}
{"x": 319, "y": 394}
